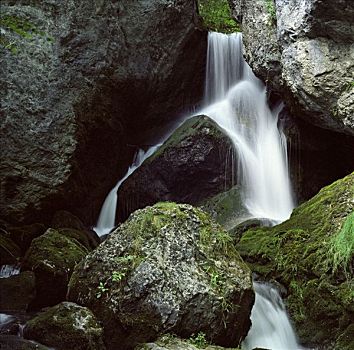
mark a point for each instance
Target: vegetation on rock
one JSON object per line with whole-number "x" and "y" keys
{"x": 168, "y": 268}
{"x": 216, "y": 15}
{"x": 313, "y": 255}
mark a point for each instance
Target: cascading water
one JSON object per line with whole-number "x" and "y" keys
{"x": 107, "y": 217}
{"x": 271, "y": 328}
{"x": 236, "y": 100}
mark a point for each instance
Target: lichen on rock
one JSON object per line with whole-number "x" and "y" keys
{"x": 168, "y": 268}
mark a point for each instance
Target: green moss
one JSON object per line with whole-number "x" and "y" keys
{"x": 54, "y": 253}
{"x": 216, "y": 15}
{"x": 21, "y": 27}
{"x": 312, "y": 254}
{"x": 270, "y": 6}
{"x": 342, "y": 247}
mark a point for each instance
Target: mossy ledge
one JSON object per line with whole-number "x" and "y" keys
{"x": 216, "y": 15}
{"x": 312, "y": 254}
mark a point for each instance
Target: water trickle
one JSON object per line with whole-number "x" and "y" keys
{"x": 107, "y": 217}
{"x": 9, "y": 270}
{"x": 236, "y": 100}
{"x": 271, "y": 328}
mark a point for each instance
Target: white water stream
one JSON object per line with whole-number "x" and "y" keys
{"x": 271, "y": 328}
{"x": 107, "y": 217}
{"x": 236, "y": 100}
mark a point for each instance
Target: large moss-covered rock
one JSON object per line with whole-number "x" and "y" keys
{"x": 66, "y": 326}
{"x": 52, "y": 257}
{"x": 80, "y": 81}
{"x": 168, "y": 268}
{"x": 304, "y": 50}
{"x": 312, "y": 254}
{"x": 17, "y": 292}
{"x": 169, "y": 342}
{"x": 192, "y": 165}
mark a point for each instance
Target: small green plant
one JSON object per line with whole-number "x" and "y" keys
{"x": 199, "y": 340}
{"x": 101, "y": 289}
{"x": 117, "y": 276}
{"x": 217, "y": 16}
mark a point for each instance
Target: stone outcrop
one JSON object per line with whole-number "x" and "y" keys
{"x": 168, "y": 269}
{"x": 304, "y": 51}
{"x": 52, "y": 257}
{"x": 170, "y": 342}
{"x": 66, "y": 326}
{"x": 312, "y": 255}
{"x": 192, "y": 165}
{"x": 82, "y": 80}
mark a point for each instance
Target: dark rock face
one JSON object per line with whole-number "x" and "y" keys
{"x": 304, "y": 50}
{"x": 12, "y": 342}
{"x": 52, "y": 258}
{"x": 66, "y": 326}
{"x": 192, "y": 165}
{"x": 17, "y": 292}
{"x": 317, "y": 157}
{"x": 81, "y": 81}
{"x": 10, "y": 252}
{"x": 23, "y": 235}
{"x": 168, "y": 269}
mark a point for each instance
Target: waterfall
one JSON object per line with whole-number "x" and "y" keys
{"x": 271, "y": 328}
{"x": 107, "y": 217}
{"x": 236, "y": 100}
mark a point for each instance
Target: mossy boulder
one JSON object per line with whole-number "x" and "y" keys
{"x": 312, "y": 254}
{"x": 71, "y": 226}
{"x": 169, "y": 342}
{"x": 10, "y": 252}
{"x": 168, "y": 268}
{"x": 84, "y": 237}
{"x": 52, "y": 257}
{"x": 66, "y": 326}
{"x": 17, "y": 292}
{"x": 226, "y": 208}
{"x": 191, "y": 166}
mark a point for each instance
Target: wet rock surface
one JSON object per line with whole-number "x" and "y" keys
{"x": 168, "y": 268}
{"x": 80, "y": 78}
{"x": 304, "y": 50}
{"x": 66, "y": 326}
{"x": 192, "y": 165}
